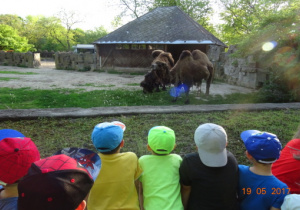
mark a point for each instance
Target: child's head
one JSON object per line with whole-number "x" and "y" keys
{"x": 56, "y": 182}
{"x": 107, "y": 136}
{"x": 211, "y": 140}
{"x": 161, "y": 140}
{"x": 17, "y": 153}
{"x": 264, "y": 147}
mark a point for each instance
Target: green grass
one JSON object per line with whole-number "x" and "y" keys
{"x": 25, "y": 98}
{"x": 7, "y": 78}
{"x": 16, "y": 72}
{"x": 52, "y": 134}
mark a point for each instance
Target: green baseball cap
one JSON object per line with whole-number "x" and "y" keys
{"x": 161, "y": 139}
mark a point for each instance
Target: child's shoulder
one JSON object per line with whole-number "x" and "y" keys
{"x": 176, "y": 156}
{"x": 129, "y": 155}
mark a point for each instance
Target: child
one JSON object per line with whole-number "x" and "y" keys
{"x": 17, "y": 153}
{"x": 114, "y": 187}
{"x": 258, "y": 188}
{"x": 287, "y": 167}
{"x": 160, "y": 187}
{"x": 209, "y": 177}
{"x": 57, "y": 182}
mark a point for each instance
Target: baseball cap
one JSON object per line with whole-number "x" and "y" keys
{"x": 4, "y": 133}
{"x": 108, "y": 135}
{"x": 56, "y": 182}
{"x": 16, "y": 156}
{"x": 161, "y": 139}
{"x": 211, "y": 140}
{"x": 264, "y": 147}
{"x": 291, "y": 202}
{"x": 87, "y": 158}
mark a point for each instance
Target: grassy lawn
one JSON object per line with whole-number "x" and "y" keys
{"x": 53, "y": 134}
{"x": 16, "y": 72}
{"x": 26, "y": 98}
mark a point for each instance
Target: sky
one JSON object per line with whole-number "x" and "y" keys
{"x": 94, "y": 13}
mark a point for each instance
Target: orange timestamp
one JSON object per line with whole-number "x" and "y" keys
{"x": 263, "y": 191}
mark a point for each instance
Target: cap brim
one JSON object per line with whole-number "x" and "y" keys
{"x": 246, "y": 134}
{"x": 213, "y": 159}
{"x": 87, "y": 158}
{"x": 118, "y": 123}
{"x": 10, "y": 133}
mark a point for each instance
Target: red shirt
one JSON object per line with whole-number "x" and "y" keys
{"x": 287, "y": 168}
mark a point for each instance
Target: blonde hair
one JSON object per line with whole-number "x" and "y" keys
{"x": 297, "y": 134}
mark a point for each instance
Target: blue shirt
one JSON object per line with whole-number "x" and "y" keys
{"x": 260, "y": 192}
{"x": 9, "y": 203}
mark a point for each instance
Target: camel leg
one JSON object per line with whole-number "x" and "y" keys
{"x": 187, "y": 91}
{"x": 208, "y": 81}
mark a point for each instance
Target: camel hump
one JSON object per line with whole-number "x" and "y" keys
{"x": 184, "y": 54}
{"x": 156, "y": 53}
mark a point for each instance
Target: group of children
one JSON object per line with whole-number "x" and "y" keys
{"x": 207, "y": 179}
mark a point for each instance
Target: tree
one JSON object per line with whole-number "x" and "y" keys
{"x": 10, "y": 40}
{"x": 243, "y": 17}
{"x": 135, "y": 8}
{"x": 68, "y": 20}
{"x": 89, "y": 36}
{"x": 282, "y": 60}
{"x": 12, "y": 20}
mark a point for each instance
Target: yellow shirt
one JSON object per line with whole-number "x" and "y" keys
{"x": 114, "y": 187}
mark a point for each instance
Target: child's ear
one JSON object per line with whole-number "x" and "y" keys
{"x": 149, "y": 148}
{"x": 122, "y": 143}
{"x": 248, "y": 155}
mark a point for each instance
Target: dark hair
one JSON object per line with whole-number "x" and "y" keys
{"x": 112, "y": 151}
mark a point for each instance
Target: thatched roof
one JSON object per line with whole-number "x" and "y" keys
{"x": 163, "y": 25}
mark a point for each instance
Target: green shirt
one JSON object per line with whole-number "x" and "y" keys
{"x": 160, "y": 179}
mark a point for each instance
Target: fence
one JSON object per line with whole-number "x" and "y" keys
{"x": 29, "y": 59}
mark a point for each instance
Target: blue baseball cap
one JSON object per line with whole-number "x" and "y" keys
{"x": 108, "y": 135}
{"x": 10, "y": 133}
{"x": 264, "y": 147}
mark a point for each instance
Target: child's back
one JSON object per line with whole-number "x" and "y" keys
{"x": 114, "y": 187}
{"x": 258, "y": 188}
{"x": 160, "y": 178}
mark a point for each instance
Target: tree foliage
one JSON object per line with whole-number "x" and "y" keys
{"x": 244, "y": 17}
{"x": 57, "y": 33}
{"x": 10, "y": 40}
{"x": 90, "y": 36}
{"x": 283, "y": 60}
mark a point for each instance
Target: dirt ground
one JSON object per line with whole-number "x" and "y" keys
{"x": 47, "y": 77}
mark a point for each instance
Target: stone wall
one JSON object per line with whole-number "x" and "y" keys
{"x": 237, "y": 71}
{"x": 74, "y": 61}
{"x": 29, "y": 59}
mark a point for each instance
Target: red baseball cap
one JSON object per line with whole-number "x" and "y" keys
{"x": 16, "y": 156}
{"x": 56, "y": 182}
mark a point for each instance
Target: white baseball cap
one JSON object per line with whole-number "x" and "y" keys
{"x": 211, "y": 140}
{"x": 291, "y": 202}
